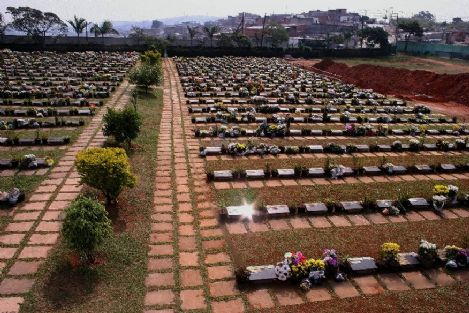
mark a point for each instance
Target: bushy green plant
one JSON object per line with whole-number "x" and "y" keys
{"x": 106, "y": 169}
{"x": 123, "y": 125}
{"x": 146, "y": 75}
{"x": 86, "y": 226}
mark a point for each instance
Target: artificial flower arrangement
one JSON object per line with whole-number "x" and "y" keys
{"x": 427, "y": 253}
{"x": 457, "y": 257}
{"x": 236, "y": 148}
{"x": 389, "y": 252}
{"x": 440, "y": 193}
{"x": 389, "y": 167}
{"x": 309, "y": 271}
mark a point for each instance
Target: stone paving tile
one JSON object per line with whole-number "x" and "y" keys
{"x": 439, "y": 277}
{"x": 236, "y": 228}
{"x": 160, "y": 250}
{"x": 15, "y": 286}
{"x": 34, "y": 252}
{"x": 159, "y": 280}
{"x": 368, "y": 285}
{"x": 223, "y": 288}
{"x": 213, "y": 244}
{"x": 344, "y": 289}
{"x": 228, "y": 306}
{"x": 11, "y": 239}
{"x": 189, "y": 258}
{"x": 376, "y": 218}
{"x": 318, "y": 293}
{"x": 191, "y": 278}
{"x": 430, "y": 215}
{"x": 288, "y": 297}
{"x": 462, "y": 276}
{"x": 7, "y": 253}
{"x": 414, "y": 216}
{"x": 47, "y": 226}
{"x": 260, "y": 299}
{"x": 193, "y": 299}
{"x": 159, "y": 264}
{"x": 19, "y": 227}
{"x": 24, "y": 268}
{"x": 44, "y": 239}
{"x": 358, "y": 220}
{"x": 159, "y": 297}
{"x": 461, "y": 212}
{"x": 397, "y": 219}
{"x": 417, "y": 280}
{"x": 339, "y": 221}
{"x": 299, "y": 223}
{"x": 393, "y": 282}
{"x": 279, "y": 224}
{"x": 11, "y": 304}
{"x": 257, "y": 227}
{"x": 320, "y": 222}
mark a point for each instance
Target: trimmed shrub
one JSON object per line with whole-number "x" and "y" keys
{"x": 106, "y": 169}
{"x": 86, "y": 226}
{"x": 123, "y": 125}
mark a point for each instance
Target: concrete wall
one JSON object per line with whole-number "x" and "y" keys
{"x": 441, "y": 50}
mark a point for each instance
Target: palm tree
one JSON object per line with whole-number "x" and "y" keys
{"x": 3, "y": 26}
{"x": 96, "y": 30}
{"x": 192, "y": 32}
{"x": 78, "y": 25}
{"x": 211, "y": 31}
{"x": 106, "y": 27}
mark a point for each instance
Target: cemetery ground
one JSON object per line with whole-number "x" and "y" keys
{"x": 118, "y": 284}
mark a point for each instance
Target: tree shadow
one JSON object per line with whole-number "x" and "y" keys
{"x": 67, "y": 286}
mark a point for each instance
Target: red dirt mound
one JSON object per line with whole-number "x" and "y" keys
{"x": 401, "y": 82}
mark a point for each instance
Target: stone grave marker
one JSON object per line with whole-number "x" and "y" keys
{"x": 255, "y": 174}
{"x": 351, "y": 206}
{"x": 223, "y": 175}
{"x": 315, "y": 208}
{"x": 277, "y": 210}
{"x": 363, "y": 265}
{"x": 316, "y": 172}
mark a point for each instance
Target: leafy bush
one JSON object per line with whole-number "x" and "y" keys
{"x": 123, "y": 125}
{"x": 106, "y": 169}
{"x": 146, "y": 75}
{"x": 85, "y": 226}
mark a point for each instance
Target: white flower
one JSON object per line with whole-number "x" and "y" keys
{"x": 283, "y": 271}
{"x": 453, "y": 188}
{"x": 438, "y": 198}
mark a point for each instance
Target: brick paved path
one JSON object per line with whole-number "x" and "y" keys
{"x": 34, "y": 230}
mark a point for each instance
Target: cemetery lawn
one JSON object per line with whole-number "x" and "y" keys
{"x": 297, "y": 195}
{"x": 350, "y": 241}
{"x": 118, "y": 284}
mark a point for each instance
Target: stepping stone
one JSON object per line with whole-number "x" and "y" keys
{"x": 315, "y": 208}
{"x": 448, "y": 167}
{"x": 384, "y": 204}
{"x": 213, "y": 150}
{"x": 255, "y": 174}
{"x": 423, "y": 168}
{"x": 419, "y": 203}
{"x": 315, "y": 149}
{"x": 284, "y": 173}
{"x": 351, "y": 206}
{"x": 277, "y": 210}
{"x": 372, "y": 170}
{"x": 316, "y": 172}
{"x": 384, "y": 148}
{"x": 408, "y": 260}
{"x": 223, "y": 175}
{"x": 262, "y": 274}
{"x": 368, "y": 285}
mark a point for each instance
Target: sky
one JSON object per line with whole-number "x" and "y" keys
{"x": 137, "y": 10}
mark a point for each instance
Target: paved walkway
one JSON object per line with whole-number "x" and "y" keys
{"x": 34, "y": 230}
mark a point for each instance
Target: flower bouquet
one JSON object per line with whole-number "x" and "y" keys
{"x": 427, "y": 253}
{"x": 389, "y": 252}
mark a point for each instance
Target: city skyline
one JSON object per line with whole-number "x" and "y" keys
{"x": 139, "y": 10}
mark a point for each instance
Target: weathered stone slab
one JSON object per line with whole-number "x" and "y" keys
{"x": 316, "y": 172}
{"x": 364, "y": 265}
{"x": 277, "y": 210}
{"x": 316, "y": 208}
{"x": 255, "y": 174}
{"x": 223, "y": 175}
{"x": 351, "y": 206}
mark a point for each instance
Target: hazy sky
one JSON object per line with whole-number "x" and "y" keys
{"x": 131, "y": 10}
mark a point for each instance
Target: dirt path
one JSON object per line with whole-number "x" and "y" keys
{"x": 457, "y": 67}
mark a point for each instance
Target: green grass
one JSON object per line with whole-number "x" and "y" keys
{"x": 118, "y": 285}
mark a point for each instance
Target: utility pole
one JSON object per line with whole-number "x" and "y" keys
{"x": 263, "y": 30}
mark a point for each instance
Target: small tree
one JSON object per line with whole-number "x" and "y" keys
{"x": 106, "y": 169}
{"x": 278, "y": 35}
{"x": 138, "y": 34}
{"x": 123, "y": 125}
{"x": 146, "y": 76}
{"x": 192, "y": 32}
{"x": 86, "y": 226}
{"x": 3, "y": 25}
{"x": 375, "y": 35}
{"x": 411, "y": 27}
{"x": 151, "y": 57}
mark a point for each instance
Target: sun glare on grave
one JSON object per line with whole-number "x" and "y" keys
{"x": 247, "y": 210}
